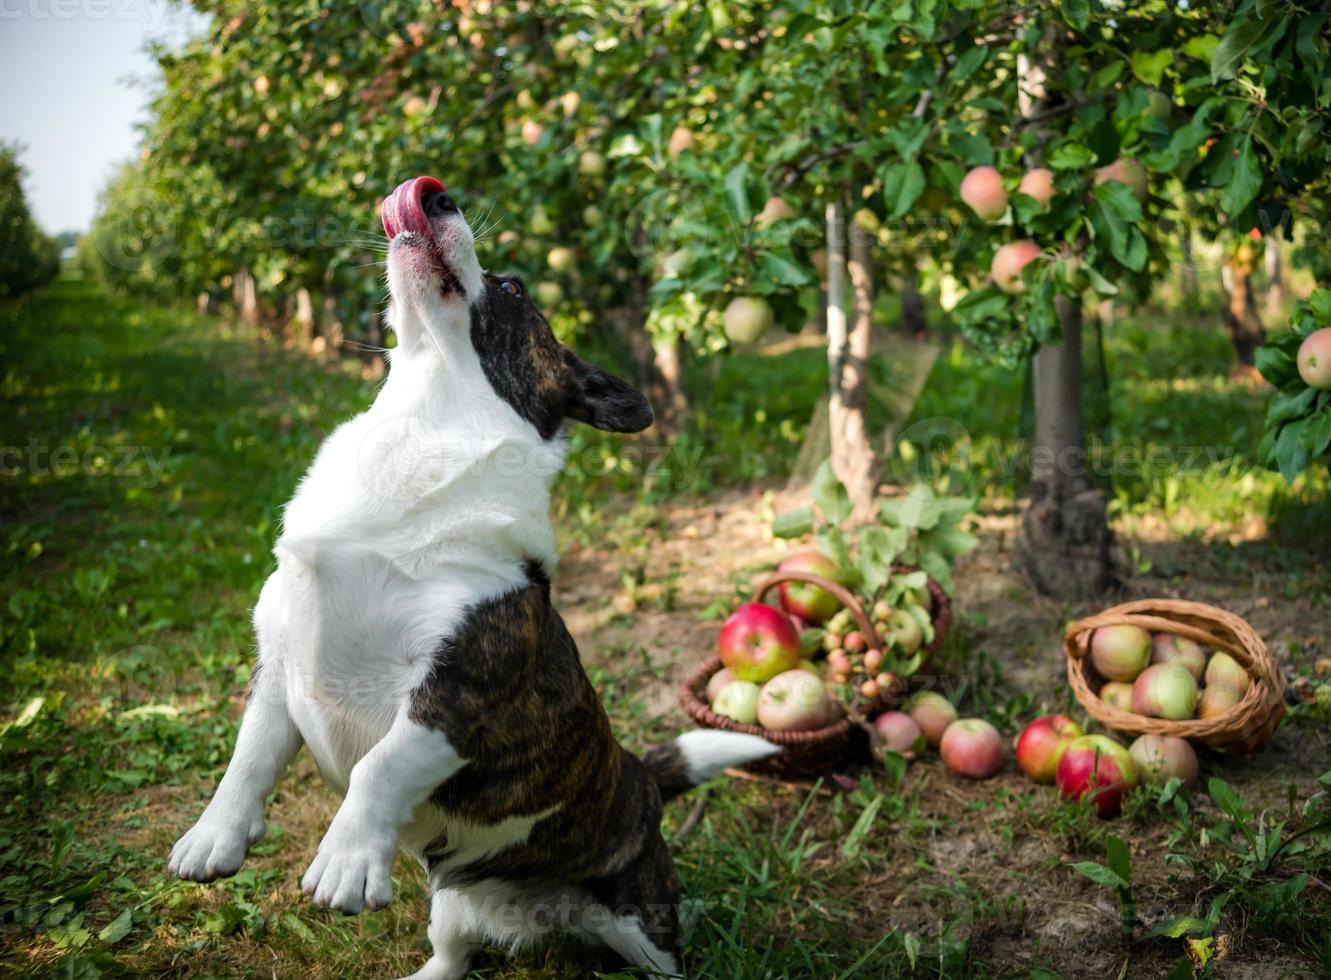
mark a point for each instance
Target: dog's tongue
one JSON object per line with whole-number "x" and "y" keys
{"x": 402, "y": 209}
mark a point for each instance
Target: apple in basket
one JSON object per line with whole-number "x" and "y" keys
{"x": 758, "y": 642}
{"x": 1167, "y": 648}
{"x": 795, "y": 701}
{"x": 738, "y": 701}
{"x": 1120, "y": 652}
{"x": 804, "y": 599}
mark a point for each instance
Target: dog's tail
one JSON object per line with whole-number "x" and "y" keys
{"x": 700, "y": 755}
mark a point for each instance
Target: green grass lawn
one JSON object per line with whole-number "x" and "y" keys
{"x": 148, "y": 455}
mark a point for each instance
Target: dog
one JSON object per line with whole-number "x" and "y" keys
{"x": 407, "y": 639}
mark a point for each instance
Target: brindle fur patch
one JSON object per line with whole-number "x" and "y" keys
{"x": 509, "y": 691}
{"x": 539, "y": 377}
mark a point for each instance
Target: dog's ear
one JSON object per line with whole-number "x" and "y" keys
{"x": 604, "y": 401}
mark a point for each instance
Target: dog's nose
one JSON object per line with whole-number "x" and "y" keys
{"x": 436, "y": 204}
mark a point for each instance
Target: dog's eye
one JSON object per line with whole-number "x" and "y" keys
{"x": 511, "y": 287}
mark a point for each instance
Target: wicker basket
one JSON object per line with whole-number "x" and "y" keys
{"x": 812, "y": 753}
{"x": 1242, "y": 728}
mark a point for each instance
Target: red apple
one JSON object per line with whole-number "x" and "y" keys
{"x": 794, "y": 701}
{"x": 1039, "y": 184}
{"x": 717, "y": 682}
{"x": 1314, "y": 359}
{"x": 1167, "y": 648}
{"x": 805, "y": 599}
{"x": 1164, "y": 691}
{"x": 933, "y": 713}
{"x": 900, "y": 733}
{"x": 972, "y": 747}
{"x": 1008, "y": 262}
{"x": 738, "y": 701}
{"x": 1125, "y": 171}
{"x": 1224, "y": 669}
{"x": 1096, "y": 766}
{"x": 1041, "y": 743}
{"x": 758, "y": 642}
{"x": 1117, "y": 693}
{"x": 1160, "y": 758}
{"x": 982, "y": 190}
{"x": 1120, "y": 653}
{"x": 776, "y": 209}
{"x": 680, "y": 140}
{"x": 1216, "y": 699}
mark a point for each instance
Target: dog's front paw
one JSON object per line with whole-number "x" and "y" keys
{"x": 216, "y": 846}
{"x": 352, "y": 871}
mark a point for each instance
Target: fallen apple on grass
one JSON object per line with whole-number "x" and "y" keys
{"x": 738, "y": 701}
{"x": 804, "y": 599}
{"x": 1098, "y": 768}
{"x": 1042, "y": 743}
{"x": 1169, "y": 648}
{"x": 758, "y": 642}
{"x": 1165, "y": 691}
{"x": 933, "y": 713}
{"x": 794, "y": 701}
{"x": 900, "y": 734}
{"x": 972, "y": 747}
{"x": 1120, "y": 653}
{"x": 1160, "y": 758}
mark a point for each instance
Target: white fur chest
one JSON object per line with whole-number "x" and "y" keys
{"x": 407, "y": 517}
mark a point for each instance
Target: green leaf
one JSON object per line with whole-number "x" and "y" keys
{"x": 793, "y": 523}
{"x": 1077, "y": 13}
{"x": 1231, "y": 49}
{"x": 1317, "y": 433}
{"x": 1229, "y": 801}
{"x": 1150, "y": 66}
{"x": 1071, "y": 156}
{"x": 737, "y": 195}
{"x": 1276, "y": 366}
{"x": 118, "y": 928}
{"x": 830, "y": 496}
{"x": 1101, "y": 875}
{"x": 1245, "y": 180}
{"x": 1176, "y": 927}
{"x": 1117, "y": 857}
{"x": 1320, "y": 304}
{"x": 851, "y": 846}
{"x": 1201, "y": 47}
{"x": 1288, "y": 405}
{"x": 903, "y": 183}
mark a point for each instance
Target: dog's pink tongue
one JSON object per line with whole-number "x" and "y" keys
{"x": 402, "y": 210}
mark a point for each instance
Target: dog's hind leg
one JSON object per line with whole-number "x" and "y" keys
{"x": 639, "y": 907}
{"x": 454, "y": 936}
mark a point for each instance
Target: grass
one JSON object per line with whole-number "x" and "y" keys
{"x": 155, "y": 450}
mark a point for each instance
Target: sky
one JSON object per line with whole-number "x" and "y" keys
{"x": 74, "y": 80}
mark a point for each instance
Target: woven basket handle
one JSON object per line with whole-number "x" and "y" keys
{"x": 843, "y": 595}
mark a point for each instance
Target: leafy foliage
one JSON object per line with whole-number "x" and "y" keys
{"x": 28, "y": 258}
{"x": 1298, "y": 419}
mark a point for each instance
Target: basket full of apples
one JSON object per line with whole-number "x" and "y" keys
{"x": 1169, "y": 667}
{"x": 761, "y": 682}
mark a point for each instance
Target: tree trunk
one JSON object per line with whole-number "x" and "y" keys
{"x": 912, "y": 305}
{"x": 246, "y": 297}
{"x": 847, "y": 361}
{"x": 1063, "y": 546}
{"x": 1275, "y": 280}
{"x": 303, "y": 320}
{"x": 1241, "y": 319}
{"x": 669, "y": 394}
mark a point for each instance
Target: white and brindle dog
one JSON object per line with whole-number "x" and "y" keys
{"x": 408, "y": 640}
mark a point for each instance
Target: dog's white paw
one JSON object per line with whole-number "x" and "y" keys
{"x": 215, "y": 847}
{"x": 352, "y": 871}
